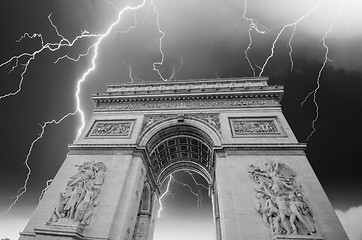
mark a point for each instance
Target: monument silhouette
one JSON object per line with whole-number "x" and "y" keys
{"x": 231, "y": 131}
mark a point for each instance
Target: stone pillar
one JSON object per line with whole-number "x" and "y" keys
{"x": 241, "y": 218}
{"x": 116, "y": 209}
{"x": 216, "y": 213}
{"x": 225, "y": 196}
{"x": 145, "y": 223}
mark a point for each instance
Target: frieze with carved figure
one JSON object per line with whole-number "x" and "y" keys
{"x": 111, "y": 128}
{"x": 210, "y": 118}
{"x": 280, "y": 201}
{"x": 181, "y": 104}
{"x": 77, "y": 203}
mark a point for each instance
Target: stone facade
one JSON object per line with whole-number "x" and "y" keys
{"x": 231, "y": 131}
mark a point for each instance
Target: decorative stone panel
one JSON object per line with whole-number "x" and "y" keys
{"x": 182, "y": 104}
{"x": 280, "y": 201}
{"x": 255, "y": 126}
{"x": 210, "y": 118}
{"x": 111, "y": 128}
{"x": 79, "y": 200}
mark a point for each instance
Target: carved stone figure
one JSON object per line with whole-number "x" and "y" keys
{"x": 83, "y": 205}
{"x": 284, "y": 211}
{"x": 261, "y": 206}
{"x": 111, "y": 128}
{"x": 279, "y": 200}
{"x": 79, "y": 199}
{"x": 89, "y": 213}
{"x": 254, "y": 126}
{"x": 75, "y": 198}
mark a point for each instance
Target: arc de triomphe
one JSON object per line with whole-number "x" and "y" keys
{"x": 231, "y": 131}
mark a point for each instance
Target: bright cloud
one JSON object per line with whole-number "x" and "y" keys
{"x": 352, "y": 222}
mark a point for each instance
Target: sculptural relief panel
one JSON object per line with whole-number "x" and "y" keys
{"x": 255, "y": 126}
{"x": 211, "y": 119}
{"x": 280, "y": 202}
{"x": 111, "y": 128}
{"x": 78, "y": 201}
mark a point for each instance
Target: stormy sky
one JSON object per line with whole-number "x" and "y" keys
{"x": 202, "y": 39}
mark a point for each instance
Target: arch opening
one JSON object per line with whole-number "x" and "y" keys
{"x": 186, "y": 208}
{"x": 180, "y": 147}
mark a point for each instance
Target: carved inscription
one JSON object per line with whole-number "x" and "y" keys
{"x": 183, "y": 104}
{"x": 80, "y": 198}
{"x": 279, "y": 200}
{"x": 111, "y": 128}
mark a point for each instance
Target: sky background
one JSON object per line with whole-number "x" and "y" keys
{"x": 208, "y": 38}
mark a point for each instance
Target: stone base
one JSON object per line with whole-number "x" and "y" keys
{"x": 296, "y": 237}
{"x": 63, "y": 227}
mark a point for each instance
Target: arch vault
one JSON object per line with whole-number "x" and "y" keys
{"x": 231, "y": 131}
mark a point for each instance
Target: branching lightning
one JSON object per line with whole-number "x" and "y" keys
{"x": 130, "y": 73}
{"x": 45, "y": 189}
{"x": 176, "y": 70}
{"x": 294, "y": 25}
{"x": 156, "y": 64}
{"x": 23, "y": 189}
{"x": 167, "y": 192}
{"x": 197, "y": 183}
{"x": 326, "y": 59}
{"x": 254, "y": 26}
{"x": 197, "y": 194}
{"x": 63, "y": 42}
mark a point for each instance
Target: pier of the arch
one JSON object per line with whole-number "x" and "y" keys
{"x": 231, "y": 131}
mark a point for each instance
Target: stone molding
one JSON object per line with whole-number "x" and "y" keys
{"x": 215, "y": 93}
{"x": 192, "y": 86}
{"x": 147, "y": 104}
{"x": 296, "y": 237}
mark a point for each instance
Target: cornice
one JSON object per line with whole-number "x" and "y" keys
{"x": 201, "y": 93}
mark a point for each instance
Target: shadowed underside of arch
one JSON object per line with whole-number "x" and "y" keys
{"x": 180, "y": 147}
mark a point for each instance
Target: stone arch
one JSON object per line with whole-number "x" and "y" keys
{"x": 146, "y": 199}
{"x": 214, "y": 137}
{"x": 187, "y": 166}
{"x": 180, "y": 144}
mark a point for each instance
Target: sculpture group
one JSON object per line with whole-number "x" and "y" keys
{"x": 279, "y": 200}
{"x": 80, "y": 197}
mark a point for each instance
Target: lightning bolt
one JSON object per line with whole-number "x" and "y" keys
{"x": 130, "y": 73}
{"x": 167, "y": 192}
{"x": 112, "y": 4}
{"x": 23, "y": 189}
{"x": 294, "y": 25}
{"x": 174, "y": 70}
{"x": 326, "y": 59}
{"x": 45, "y": 189}
{"x": 252, "y": 26}
{"x": 197, "y": 183}
{"x": 160, "y": 63}
{"x": 197, "y": 195}
{"x": 63, "y": 42}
